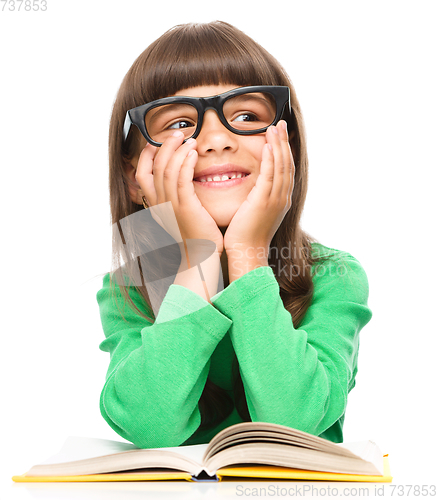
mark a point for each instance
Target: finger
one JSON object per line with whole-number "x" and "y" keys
{"x": 144, "y": 175}
{"x": 289, "y": 167}
{"x": 185, "y": 185}
{"x": 266, "y": 178}
{"x": 273, "y": 138}
{"x": 172, "y": 171}
{"x": 161, "y": 161}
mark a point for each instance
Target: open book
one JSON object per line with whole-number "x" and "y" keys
{"x": 249, "y": 449}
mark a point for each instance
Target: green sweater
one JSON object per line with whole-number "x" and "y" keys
{"x": 299, "y": 377}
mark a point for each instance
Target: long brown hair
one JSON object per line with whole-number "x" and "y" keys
{"x": 191, "y": 55}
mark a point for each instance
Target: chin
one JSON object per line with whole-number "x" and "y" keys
{"x": 222, "y": 211}
{"x": 223, "y": 223}
{"x": 223, "y": 217}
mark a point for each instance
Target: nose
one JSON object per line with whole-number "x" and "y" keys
{"x": 214, "y": 136}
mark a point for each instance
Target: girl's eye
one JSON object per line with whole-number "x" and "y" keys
{"x": 181, "y": 124}
{"x": 246, "y": 117}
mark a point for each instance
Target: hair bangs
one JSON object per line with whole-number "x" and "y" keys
{"x": 193, "y": 55}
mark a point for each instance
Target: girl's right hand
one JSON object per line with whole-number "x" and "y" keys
{"x": 166, "y": 174}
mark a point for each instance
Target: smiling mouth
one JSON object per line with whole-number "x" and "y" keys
{"x": 222, "y": 180}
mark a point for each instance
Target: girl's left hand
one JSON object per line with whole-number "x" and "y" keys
{"x": 258, "y": 218}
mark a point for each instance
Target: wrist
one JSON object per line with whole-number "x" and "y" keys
{"x": 248, "y": 252}
{"x": 243, "y": 261}
{"x": 198, "y": 253}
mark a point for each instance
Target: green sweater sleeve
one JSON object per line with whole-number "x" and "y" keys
{"x": 157, "y": 370}
{"x": 299, "y": 377}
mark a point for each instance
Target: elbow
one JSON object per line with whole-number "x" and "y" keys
{"x": 324, "y": 409}
{"x": 312, "y": 407}
{"x": 146, "y": 427}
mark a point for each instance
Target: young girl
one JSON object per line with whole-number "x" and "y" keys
{"x": 278, "y": 342}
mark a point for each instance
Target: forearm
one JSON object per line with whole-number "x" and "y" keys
{"x": 299, "y": 377}
{"x": 284, "y": 377}
{"x": 151, "y": 396}
{"x": 286, "y": 380}
{"x": 158, "y": 370}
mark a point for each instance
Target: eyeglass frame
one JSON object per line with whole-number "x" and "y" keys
{"x": 281, "y": 95}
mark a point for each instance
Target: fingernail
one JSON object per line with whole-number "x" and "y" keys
{"x": 189, "y": 141}
{"x": 177, "y": 134}
{"x": 274, "y": 129}
{"x": 284, "y": 126}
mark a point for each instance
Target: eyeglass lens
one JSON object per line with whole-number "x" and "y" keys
{"x": 249, "y": 111}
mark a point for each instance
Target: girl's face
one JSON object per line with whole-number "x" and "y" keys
{"x": 218, "y": 147}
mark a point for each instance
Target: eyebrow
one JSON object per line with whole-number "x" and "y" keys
{"x": 249, "y": 95}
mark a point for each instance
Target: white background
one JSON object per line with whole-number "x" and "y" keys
{"x": 365, "y": 76}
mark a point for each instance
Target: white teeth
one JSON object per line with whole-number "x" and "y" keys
{"x": 224, "y": 177}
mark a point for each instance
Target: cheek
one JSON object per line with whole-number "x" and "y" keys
{"x": 255, "y": 146}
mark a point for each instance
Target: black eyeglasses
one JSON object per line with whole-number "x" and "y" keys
{"x": 243, "y": 111}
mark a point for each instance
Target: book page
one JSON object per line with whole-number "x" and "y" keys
{"x": 80, "y": 448}
{"x": 253, "y": 431}
{"x": 368, "y": 451}
{"x": 281, "y": 455}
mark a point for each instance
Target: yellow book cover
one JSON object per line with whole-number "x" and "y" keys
{"x": 227, "y": 473}
{"x": 246, "y": 450}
